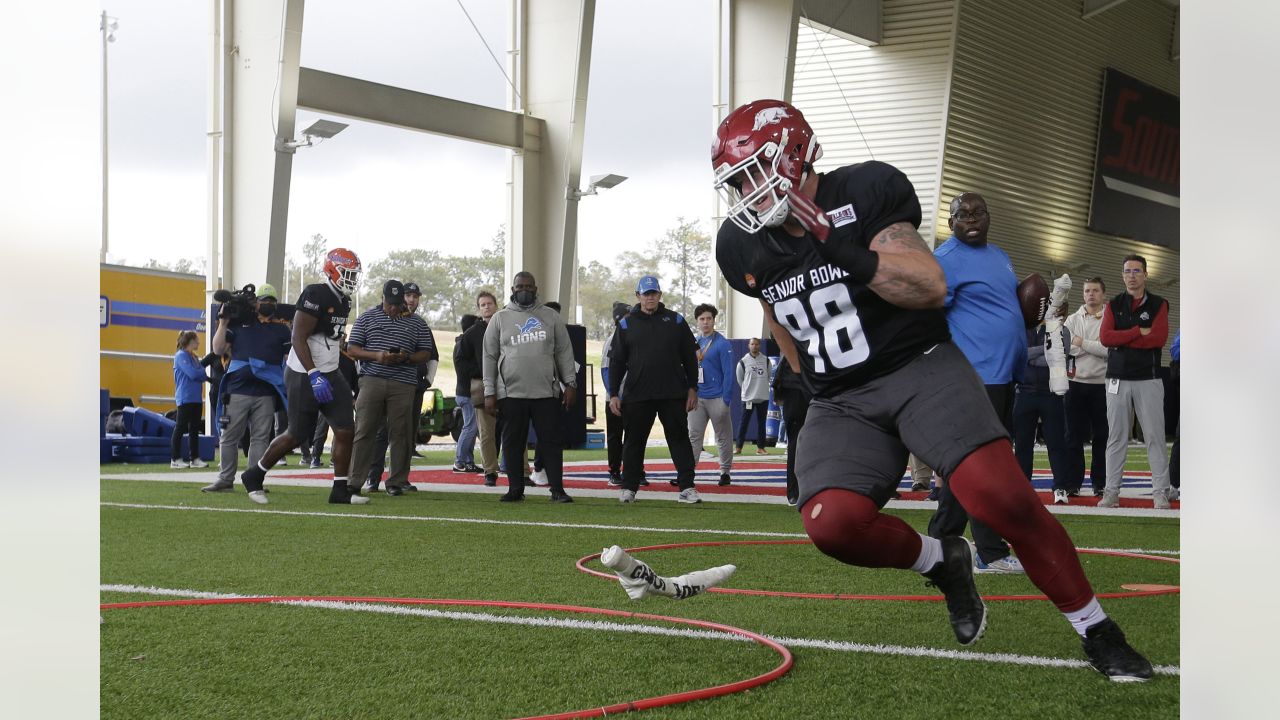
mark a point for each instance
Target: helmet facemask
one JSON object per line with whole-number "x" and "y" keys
{"x": 348, "y": 279}
{"x": 744, "y": 185}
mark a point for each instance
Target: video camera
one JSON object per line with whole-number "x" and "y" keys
{"x": 238, "y": 306}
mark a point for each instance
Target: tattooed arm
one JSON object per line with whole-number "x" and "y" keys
{"x": 907, "y": 276}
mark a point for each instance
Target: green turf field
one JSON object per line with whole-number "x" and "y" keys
{"x": 295, "y": 662}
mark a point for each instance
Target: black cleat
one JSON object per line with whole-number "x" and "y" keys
{"x": 509, "y": 497}
{"x": 560, "y": 497}
{"x": 394, "y": 491}
{"x": 252, "y": 478}
{"x": 953, "y": 575}
{"x": 615, "y": 479}
{"x": 1110, "y": 654}
{"x": 346, "y": 495}
{"x": 724, "y": 479}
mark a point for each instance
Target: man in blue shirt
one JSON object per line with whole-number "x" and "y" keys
{"x": 986, "y": 324}
{"x": 715, "y": 390}
{"x": 253, "y": 384}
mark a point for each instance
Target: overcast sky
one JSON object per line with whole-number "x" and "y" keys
{"x": 375, "y": 188}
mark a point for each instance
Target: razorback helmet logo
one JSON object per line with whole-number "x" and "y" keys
{"x": 762, "y": 150}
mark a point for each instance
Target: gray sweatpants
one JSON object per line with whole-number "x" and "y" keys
{"x": 1147, "y": 398}
{"x": 256, "y": 411}
{"x": 717, "y": 411}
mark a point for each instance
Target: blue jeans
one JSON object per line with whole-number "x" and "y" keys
{"x": 467, "y": 436}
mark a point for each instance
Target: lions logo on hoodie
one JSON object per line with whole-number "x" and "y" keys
{"x": 531, "y": 330}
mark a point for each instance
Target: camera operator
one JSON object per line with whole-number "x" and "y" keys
{"x": 253, "y": 380}
{"x": 312, "y": 379}
{"x": 390, "y": 345}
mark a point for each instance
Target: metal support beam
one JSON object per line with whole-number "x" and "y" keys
{"x": 760, "y": 46}
{"x": 551, "y": 77}
{"x": 261, "y": 43}
{"x": 1096, "y": 7}
{"x": 349, "y": 97}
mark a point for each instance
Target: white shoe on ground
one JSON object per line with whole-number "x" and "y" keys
{"x": 259, "y": 497}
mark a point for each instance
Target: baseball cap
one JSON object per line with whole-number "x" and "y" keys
{"x": 647, "y": 284}
{"x": 267, "y": 290}
{"x": 411, "y": 288}
{"x": 393, "y": 292}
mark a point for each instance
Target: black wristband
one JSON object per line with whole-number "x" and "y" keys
{"x": 861, "y": 263}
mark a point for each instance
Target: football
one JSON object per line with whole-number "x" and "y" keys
{"x": 1033, "y": 298}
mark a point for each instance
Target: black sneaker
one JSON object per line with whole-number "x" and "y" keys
{"x": 953, "y": 575}
{"x": 460, "y": 468}
{"x": 615, "y": 479}
{"x": 724, "y": 479}
{"x": 645, "y": 483}
{"x": 512, "y": 498}
{"x": 394, "y": 491}
{"x": 560, "y": 497}
{"x": 491, "y": 480}
{"x": 410, "y": 487}
{"x": 1112, "y": 656}
{"x": 919, "y": 486}
{"x": 792, "y": 500}
{"x": 252, "y": 478}
{"x": 672, "y": 482}
{"x": 473, "y": 468}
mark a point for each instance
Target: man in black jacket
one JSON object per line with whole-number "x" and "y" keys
{"x": 654, "y": 352}
{"x": 471, "y": 344}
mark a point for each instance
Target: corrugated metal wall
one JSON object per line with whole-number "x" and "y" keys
{"x": 886, "y": 102}
{"x": 1022, "y": 128}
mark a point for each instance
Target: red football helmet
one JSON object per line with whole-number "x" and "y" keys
{"x": 762, "y": 150}
{"x": 342, "y": 268}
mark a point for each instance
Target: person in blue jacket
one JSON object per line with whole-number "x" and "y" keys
{"x": 188, "y": 381}
{"x": 715, "y": 390}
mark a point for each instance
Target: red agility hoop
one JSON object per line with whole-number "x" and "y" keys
{"x": 1156, "y": 590}
{"x": 641, "y": 704}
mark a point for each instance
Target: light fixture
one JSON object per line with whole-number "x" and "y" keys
{"x": 598, "y": 182}
{"x": 323, "y": 129}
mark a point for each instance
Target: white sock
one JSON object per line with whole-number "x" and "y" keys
{"x": 930, "y": 554}
{"x": 1086, "y": 617}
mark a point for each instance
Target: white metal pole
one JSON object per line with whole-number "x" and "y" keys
{"x": 105, "y": 32}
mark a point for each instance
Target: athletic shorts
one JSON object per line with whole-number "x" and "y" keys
{"x": 934, "y": 406}
{"x": 303, "y": 405}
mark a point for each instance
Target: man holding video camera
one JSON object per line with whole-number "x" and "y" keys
{"x": 390, "y": 344}
{"x": 254, "y": 379}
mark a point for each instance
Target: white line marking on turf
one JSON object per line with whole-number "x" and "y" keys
{"x": 476, "y": 521}
{"x": 603, "y": 625}
{"x": 529, "y": 523}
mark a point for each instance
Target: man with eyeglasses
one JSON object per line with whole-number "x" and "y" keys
{"x": 1135, "y": 326}
{"x": 986, "y": 325}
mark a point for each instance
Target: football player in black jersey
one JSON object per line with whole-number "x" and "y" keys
{"x": 312, "y": 379}
{"x": 854, "y": 297}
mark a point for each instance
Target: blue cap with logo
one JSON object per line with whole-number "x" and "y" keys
{"x": 648, "y": 284}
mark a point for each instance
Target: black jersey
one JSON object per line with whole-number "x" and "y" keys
{"x": 330, "y": 308}
{"x": 845, "y": 332}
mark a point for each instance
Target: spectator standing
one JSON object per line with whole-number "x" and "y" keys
{"x": 654, "y": 353}
{"x": 312, "y": 379}
{"x": 217, "y": 365}
{"x": 253, "y": 383}
{"x": 188, "y": 381}
{"x": 529, "y": 374}
{"x": 986, "y": 324}
{"x": 472, "y": 342}
{"x": 466, "y": 368}
{"x": 1034, "y": 404}
{"x": 1086, "y": 394}
{"x": 390, "y": 345}
{"x": 753, "y": 376}
{"x": 612, "y": 423}
{"x": 715, "y": 390}
{"x": 1135, "y": 326}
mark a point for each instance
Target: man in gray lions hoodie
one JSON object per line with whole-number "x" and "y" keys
{"x": 527, "y": 360}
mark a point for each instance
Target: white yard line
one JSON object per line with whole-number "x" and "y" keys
{"x": 606, "y": 626}
{"x": 522, "y": 523}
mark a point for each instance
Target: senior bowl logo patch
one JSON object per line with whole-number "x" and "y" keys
{"x": 842, "y": 215}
